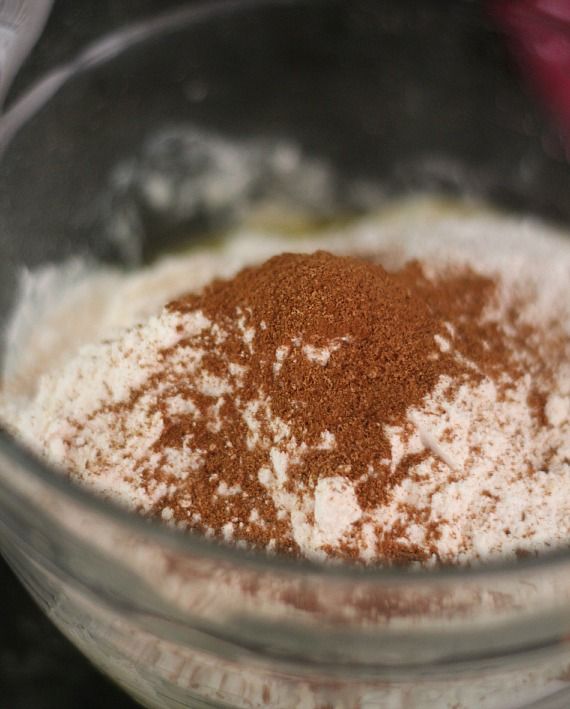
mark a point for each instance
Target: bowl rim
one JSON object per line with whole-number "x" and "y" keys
{"x": 96, "y": 53}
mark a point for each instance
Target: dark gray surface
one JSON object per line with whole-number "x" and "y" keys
{"x": 74, "y": 23}
{"x": 39, "y": 668}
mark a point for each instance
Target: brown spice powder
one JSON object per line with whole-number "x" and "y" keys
{"x": 385, "y": 360}
{"x": 319, "y": 343}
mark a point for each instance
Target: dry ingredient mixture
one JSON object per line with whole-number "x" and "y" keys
{"x": 323, "y": 406}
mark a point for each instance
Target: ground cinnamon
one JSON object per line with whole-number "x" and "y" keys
{"x": 333, "y": 344}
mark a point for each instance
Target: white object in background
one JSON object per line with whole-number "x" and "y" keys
{"x": 21, "y": 22}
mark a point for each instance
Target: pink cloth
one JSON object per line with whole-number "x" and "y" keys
{"x": 539, "y": 35}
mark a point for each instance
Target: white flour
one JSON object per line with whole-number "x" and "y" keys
{"x": 474, "y": 483}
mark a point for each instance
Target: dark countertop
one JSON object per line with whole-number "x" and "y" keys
{"x": 39, "y": 668}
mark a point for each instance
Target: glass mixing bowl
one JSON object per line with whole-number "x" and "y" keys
{"x": 398, "y": 95}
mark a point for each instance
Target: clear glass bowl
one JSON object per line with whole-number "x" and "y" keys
{"x": 407, "y": 96}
